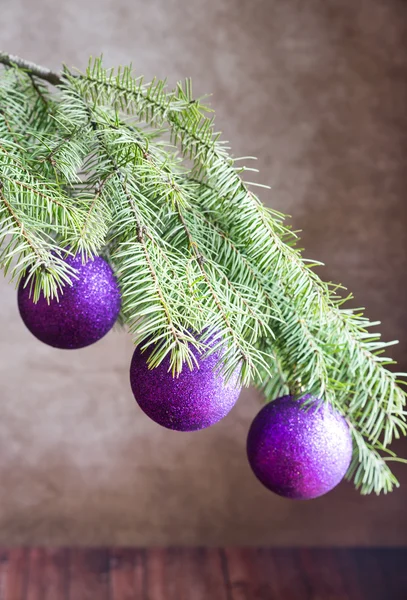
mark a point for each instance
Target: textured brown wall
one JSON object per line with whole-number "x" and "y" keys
{"x": 318, "y": 91}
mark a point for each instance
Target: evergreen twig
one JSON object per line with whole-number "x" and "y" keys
{"x": 88, "y": 166}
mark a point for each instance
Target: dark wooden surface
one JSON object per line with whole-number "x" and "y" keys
{"x": 198, "y": 574}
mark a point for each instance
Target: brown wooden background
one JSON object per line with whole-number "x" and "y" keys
{"x": 202, "y": 574}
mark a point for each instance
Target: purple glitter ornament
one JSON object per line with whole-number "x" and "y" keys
{"x": 193, "y": 400}
{"x": 85, "y": 311}
{"x": 299, "y": 451}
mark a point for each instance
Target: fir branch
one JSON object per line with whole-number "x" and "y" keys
{"x": 200, "y": 261}
{"x": 191, "y": 249}
{"x": 141, "y": 241}
{"x": 181, "y": 340}
{"x": 178, "y": 197}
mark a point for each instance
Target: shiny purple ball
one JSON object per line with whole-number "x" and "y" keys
{"x": 298, "y": 451}
{"x": 82, "y": 315}
{"x": 194, "y": 400}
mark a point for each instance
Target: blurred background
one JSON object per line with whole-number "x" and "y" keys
{"x": 318, "y": 91}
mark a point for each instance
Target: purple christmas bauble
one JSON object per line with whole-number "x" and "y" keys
{"x": 194, "y": 400}
{"x": 299, "y": 451}
{"x": 82, "y": 315}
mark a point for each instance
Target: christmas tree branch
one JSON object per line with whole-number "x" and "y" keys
{"x": 177, "y": 196}
{"x": 148, "y": 325}
{"x": 193, "y": 248}
{"x": 366, "y": 476}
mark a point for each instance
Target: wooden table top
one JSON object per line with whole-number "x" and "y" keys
{"x": 202, "y": 574}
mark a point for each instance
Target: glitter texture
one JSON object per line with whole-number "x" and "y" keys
{"x": 193, "y": 400}
{"x": 299, "y": 452}
{"x": 85, "y": 312}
